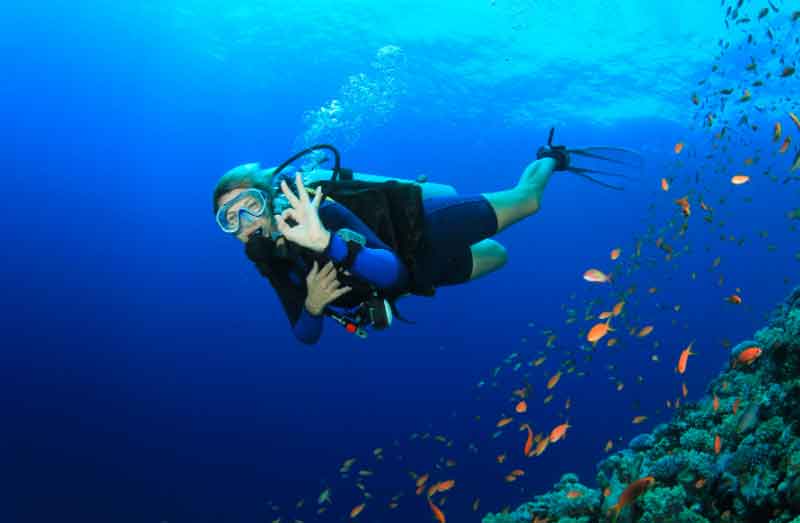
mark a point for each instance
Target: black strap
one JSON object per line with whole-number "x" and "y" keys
{"x": 353, "y": 249}
{"x": 342, "y": 174}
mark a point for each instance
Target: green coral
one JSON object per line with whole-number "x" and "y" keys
{"x": 662, "y": 503}
{"x": 755, "y": 477}
{"x": 770, "y": 431}
{"x": 697, "y": 439}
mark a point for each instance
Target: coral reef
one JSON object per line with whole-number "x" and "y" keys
{"x": 754, "y": 474}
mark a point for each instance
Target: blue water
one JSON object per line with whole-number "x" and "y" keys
{"x": 148, "y": 373}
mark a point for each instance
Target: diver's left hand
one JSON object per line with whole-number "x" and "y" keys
{"x": 309, "y": 231}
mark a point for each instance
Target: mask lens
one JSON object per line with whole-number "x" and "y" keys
{"x": 248, "y": 204}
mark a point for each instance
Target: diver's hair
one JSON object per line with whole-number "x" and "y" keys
{"x": 245, "y": 176}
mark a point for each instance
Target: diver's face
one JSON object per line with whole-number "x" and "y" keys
{"x": 249, "y": 224}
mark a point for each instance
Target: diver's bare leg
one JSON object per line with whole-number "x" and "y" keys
{"x": 487, "y": 256}
{"x": 524, "y": 199}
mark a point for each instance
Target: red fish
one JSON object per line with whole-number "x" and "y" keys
{"x": 560, "y": 432}
{"x": 748, "y": 356}
{"x": 631, "y": 492}
{"x": 685, "y": 357}
{"x": 437, "y": 512}
{"x": 528, "y": 442}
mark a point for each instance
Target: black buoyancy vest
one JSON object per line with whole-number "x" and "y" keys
{"x": 394, "y": 212}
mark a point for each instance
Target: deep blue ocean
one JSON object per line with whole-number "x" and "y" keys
{"x": 148, "y": 372}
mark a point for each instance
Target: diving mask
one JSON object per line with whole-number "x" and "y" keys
{"x": 242, "y": 210}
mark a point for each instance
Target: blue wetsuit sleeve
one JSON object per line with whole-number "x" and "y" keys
{"x": 376, "y": 262}
{"x": 308, "y": 328}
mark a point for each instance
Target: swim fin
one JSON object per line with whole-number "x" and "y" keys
{"x": 620, "y": 156}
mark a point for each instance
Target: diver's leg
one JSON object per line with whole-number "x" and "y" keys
{"x": 525, "y": 198}
{"x": 487, "y": 256}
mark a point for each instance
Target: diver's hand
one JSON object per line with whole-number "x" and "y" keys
{"x": 309, "y": 231}
{"x": 323, "y": 288}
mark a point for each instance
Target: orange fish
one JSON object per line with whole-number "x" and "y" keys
{"x": 446, "y": 485}
{"x": 644, "y": 331}
{"x": 664, "y": 185}
{"x": 748, "y": 356}
{"x": 357, "y": 510}
{"x": 715, "y": 403}
{"x": 795, "y": 119}
{"x": 736, "y": 406}
{"x": 595, "y": 276}
{"x": 740, "y": 179}
{"x": 521, "y": 407}
{"x": 606, "y": 492}
{"x": 539, "y": 361}
{"x": 501, "y": 458}
{"x": 433, "y": 489}
{"x": 617, "y": 310}
{"x": 611, "y": 342}
{"x": 615, "y": 253}
{"x": 700, "y": 483}
{"x": 684, "y": 390}
{"x": 717, "y": 444}
{"x": 685, "y": 206}
{"x": 795, "y": 163}
{"x": 745, "y": 96}
{"x": 517, "y": 473}
{"x": 639, "y": 419}
{"x": 422, "y": 479}
{"x": 678, "y": 147}
{"x": 541, "y": 446}
{"x": 526, "y": 450}
{"x": 785, "y": 145}
{"x": 598, "y": 331}
{"x": 604, "y": 315}
{"x": 748, "y": 161}
{"x": 503, "y": 422}
{"x": 776, "y": 134}
{"x": 705, "y": 206}
{"x": 560, "y": 432}
{"x": 520, "y": 393}
{"x": 609, "y": 446}
{"x": 734, "y": 298}
{"x": 631, "y": 492}
{"x": 572, "y": 494}
{"x": 685, "y": 353}
{"x": 553, "y": 380}
{"x": 437, "y": 512}
{"x": 787, "y": 71}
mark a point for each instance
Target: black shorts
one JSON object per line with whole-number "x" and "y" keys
{"x": 452, "y": 225}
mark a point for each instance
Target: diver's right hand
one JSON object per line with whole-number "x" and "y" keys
{"x": 323, "y": 288}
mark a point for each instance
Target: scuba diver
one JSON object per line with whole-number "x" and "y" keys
{"x": 347, "y": 245}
